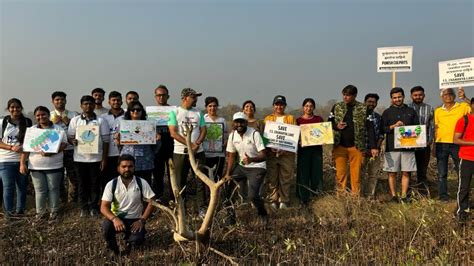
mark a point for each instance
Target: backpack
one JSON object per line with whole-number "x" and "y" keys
{"x": 114, "y": 186}
{"x": 21, "y": 135}
{"x": 466, "y": 121}
{"x": 253, "y": 136}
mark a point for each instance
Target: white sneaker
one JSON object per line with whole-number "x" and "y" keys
{"x": 283, "y": 205}
{"x": 274, "y": 205}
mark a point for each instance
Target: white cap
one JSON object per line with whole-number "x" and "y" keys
{"x": 239, "y": 115}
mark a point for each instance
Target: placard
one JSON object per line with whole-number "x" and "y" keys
{"x": 282, "y": 136}
{"x": 394, "y": 59}
{"x": 137, "y": 132}
{"x": 410, "y": 137}
{"x": 214, "y": 141}
{"x": 159, "y": 114}
{"x": 456, "y": 73}
{"x": 87, "y": 137}
{"x": 42, "y": 140}
{"x": 316, "y": 134}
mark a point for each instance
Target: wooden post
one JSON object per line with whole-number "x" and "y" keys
{"x": 394, "y": 79}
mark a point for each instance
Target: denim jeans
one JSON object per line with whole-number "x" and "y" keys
{"x": 47, "y": 183}
{"x": 11, "y": 177}
{"x": 443, "y": 151}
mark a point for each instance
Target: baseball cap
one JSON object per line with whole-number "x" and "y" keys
{"x": 239, "y": 115}
{"x": 279, "y": 99}
{"x": 188, "y": 92}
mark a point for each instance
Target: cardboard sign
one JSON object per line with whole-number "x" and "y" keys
{"x": 410, "y": 137}
{"x": 316, "y": 134}
{"x": 42, "y": 140}
{"x": 282, "y": 136}
{"x": 159, "y": 114}
{"x": 394, "y": 59}
{"x": 88, "y": 139}
{"x": 137, "y": 132}
{"x": 214, "y": 141}
{"x": 456, "y": 73}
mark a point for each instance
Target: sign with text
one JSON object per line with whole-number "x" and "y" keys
{"x": 456, "y": 73}
{"x": 394, "y": 59}
{"x": 282, "y": 136}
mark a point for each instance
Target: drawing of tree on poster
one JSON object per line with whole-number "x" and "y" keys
{"x": 214, "y": 141}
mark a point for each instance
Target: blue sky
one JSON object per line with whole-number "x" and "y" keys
{"x": 234, "y": 50}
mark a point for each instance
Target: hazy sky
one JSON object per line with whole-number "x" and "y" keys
{"x": 234, "y": 50}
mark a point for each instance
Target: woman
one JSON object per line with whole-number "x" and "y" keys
{"x": 144, "y": 154}
{"x": 249, "y": 110}
{"x": 280, "y": 164}
{"x": 46, "y": 168}
{"x": 13, "y": 128}
{"x": 309, "y": 176}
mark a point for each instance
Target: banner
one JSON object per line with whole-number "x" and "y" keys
{"x": 87, "y": 137}
{"x": 456, "y": 73}
{"x": 282, "y": 136}
{"x": 394, "y": 59}
{"x": 410, "y": 137}
{"x": 137, "y": 132}
{"x": 159, "y": 114}
{"x": 42, "y": 140}
{"x": 214, "y": 141}
{"x": 316, "y": 134}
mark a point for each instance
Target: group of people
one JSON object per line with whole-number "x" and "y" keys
{"x": 123, "y": 174}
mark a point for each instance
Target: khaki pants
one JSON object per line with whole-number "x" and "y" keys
{"x": 342, "y": 156}
{"x": 280, "y": 175}
{"x": 370, "y": 170}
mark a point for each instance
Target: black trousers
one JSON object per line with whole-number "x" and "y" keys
{"x": 466, "y": 170}
{"x": 109, "y": 234}
{"x": 422, "y": 160}
{"x": 162, "y": 167}
{"x": 110, "y": 171}
{"x": 89, "y": 184}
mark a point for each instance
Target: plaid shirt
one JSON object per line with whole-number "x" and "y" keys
{"x": 425, "y": 114}
{"x": 376, "y": 120}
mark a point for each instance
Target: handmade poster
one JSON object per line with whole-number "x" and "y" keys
{"x": 214, "y": 141}
{"x": 410, "y": 137}
{"x": 316, "y": 134}
{"x": 88, "y": 139}
{"x": 394, "y": 59}
{"x": 42, "y": 140}
{"x": 137, "y": 132}
{"x": 282, "y": 136}
{"x": 456, "y": 73}
{"x": 159, "y": 114}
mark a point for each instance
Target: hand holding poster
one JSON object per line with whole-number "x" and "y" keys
{"x": 456, "y": 73}
{"x": 316, "y": 134}
{"x": 137, "y": 132}
{"x": 394, "y": 59}
{"x": 88, "y": 139}
{"x": 160, "y": 114}
{"x": 410, "y": 137}
{"x": 282, "y": 136}
{"x": 42, "y": 140}
{"x": 214, "y": 141}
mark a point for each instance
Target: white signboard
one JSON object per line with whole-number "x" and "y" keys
{"x": 88, "y": 139}
{"x": 407, "y": 137}
{"x": 160, "y": 114}
{"x": 282, "y": 136}
{"x": 394, "y": 59}
{"x": 137, "y": 132}
{"x": 456, "y": 73}
{"x": 42, "y": 140}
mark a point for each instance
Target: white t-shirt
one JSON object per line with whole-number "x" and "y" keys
{"x": 114, "y": 123}
{"x": 70, "y": 115}
{"x": 55, "y": 161}
{"x": 178, "y": 118}
{"x": 103, "y": 137}
{"x": 207, "y": 119}
{"x": 251, "y": 143}
{"x": 9, "y": 137}
{"x": 128, "y": 201}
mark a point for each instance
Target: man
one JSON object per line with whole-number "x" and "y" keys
{"x": 122, "y": 206}
{"x": 99, "y": 95}
{"x": 372, "y": 163}
{"x": 247, "y": 143}
{"x": 352, "y": 130}
{"x": 445, "y": 118}
{"x": 90, "y": 165}
{"x": 464, "y": 137}
{"x": 113, "y": 118}
{"x": 131, "y": 96}
{"x": 186, "y": 114}
{"x": 398, "y": 160}
{"x": 425, "y": 114}
{"x": 61, "y": 116}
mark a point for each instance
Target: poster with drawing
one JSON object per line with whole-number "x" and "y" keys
{"x": 214, "y": 141}
{"x": 42, "y": 140}
{"x": 410, "y": 137}
{"x": 316, "y": 134}
{"x": 137, "y": 132}
{"x": 159, "y": 114}
{"x": 88, "y": 139}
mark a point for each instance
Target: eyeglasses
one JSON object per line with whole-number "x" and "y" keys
{"x": 136, "y": 110}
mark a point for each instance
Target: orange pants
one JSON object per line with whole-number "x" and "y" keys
{"x": 355, "y": 157}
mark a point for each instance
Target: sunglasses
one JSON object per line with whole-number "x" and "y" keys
{"x": 136, "y": 110}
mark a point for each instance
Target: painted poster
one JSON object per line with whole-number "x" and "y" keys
{"x": 410, "y": 137}
{"x": 316, "y": 134}
{"x": 214, "y": 141}
{"x": 456, "y": 73}
{"x": 159, "y": 114}
{"x": 45, "y": 140}
{"x": 88, "y": 139}
{"x": 394, "y": 59}
{"x": 282, "y": 136}
{"x": 137, "y": 132}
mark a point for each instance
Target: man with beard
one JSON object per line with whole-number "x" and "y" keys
{"x": 131, "y": 96}
{"x": 425, "y": 115}
{"x": 99, "y": 95}
{"x": 247, "y": 143}
{"x": 122, "y": 206}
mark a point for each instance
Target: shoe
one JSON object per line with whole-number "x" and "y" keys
{"x": 444, "y": 198}
{"x": 40, "y": 216}
{"x": 53, "y": 216}
{"x": 274, "y": 206}
{"x": 463, "y": 218}
{"x": 405, "y": 200}
{"x": 93, "y": 213}
{"x": 394, "y": 199}
{"x": 83, "y": 213}
{"x": 283, "y": 205}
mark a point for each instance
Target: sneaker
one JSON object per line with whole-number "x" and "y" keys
{"x": 283, "y": 205}
{"x": 83, "y": 213}
{"x": 274, "y": 206}
{"x": 40, "y": 216}
{"x": 93, "y": 213}
{"x": 394, "y": 199}
{"x": 405, "y": 200}
{"x": 53, "y": 216}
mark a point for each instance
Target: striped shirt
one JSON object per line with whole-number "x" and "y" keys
{"x": 425, "y": 114}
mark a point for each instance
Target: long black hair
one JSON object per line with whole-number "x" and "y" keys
{"x": 23, "y": 121}
{"x": 130, "y": 106}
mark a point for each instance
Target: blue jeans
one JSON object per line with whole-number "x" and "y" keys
{"x": 11, "y": 177}
{"x": 443, "y": 151}
{"x": 47, "y": 183}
